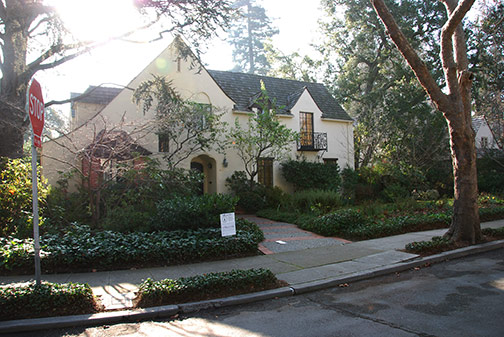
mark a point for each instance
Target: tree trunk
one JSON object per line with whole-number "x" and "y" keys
{"x": 465, "y": 224}
{"x": 455, "y": 106}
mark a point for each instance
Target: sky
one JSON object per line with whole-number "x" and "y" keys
{"x": 119, "y": 62}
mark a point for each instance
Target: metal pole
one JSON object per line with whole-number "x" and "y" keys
{"x": 35, "y": 213}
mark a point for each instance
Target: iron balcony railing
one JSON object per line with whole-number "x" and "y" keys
{"x": 312, "y": 141}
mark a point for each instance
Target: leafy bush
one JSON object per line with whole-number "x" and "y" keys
{"x": 252, "y": 196}
{"x": 491, "y": 173}
{"x": 315, "y": 201}
{"x": 491, "y": 213}
{"x": 47, "y": 299}
{"x": 192, "y": 212}
{"x": 305, "y": 175}
{"x": 168, "y": 291}
{"x": 494, "y": 232}
{"x": 437, "y": 243}
{"x": 132, "y": 196}
{"x": 337, "y": 223}
{"x": 16, "y": 196}
{"x": 398, "y": 225}
{"x": 81, "y": 249}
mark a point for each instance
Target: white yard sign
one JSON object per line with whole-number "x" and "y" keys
{"x": 228, "y": 224}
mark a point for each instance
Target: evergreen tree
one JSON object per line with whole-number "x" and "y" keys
{"x": 247, "y": 36}
{"x": 486, "y": 50}
{"x": 370, "y": 78}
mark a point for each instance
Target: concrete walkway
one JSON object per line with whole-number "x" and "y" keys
{"x": 303, "y": 258}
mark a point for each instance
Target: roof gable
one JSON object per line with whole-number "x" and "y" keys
{"x": 241, "y": 87}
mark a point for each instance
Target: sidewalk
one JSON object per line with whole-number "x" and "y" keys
{"x": 301, "y": 259}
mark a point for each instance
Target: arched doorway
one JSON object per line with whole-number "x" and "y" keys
{"x": 206, "y": 165}
{"x": 199, "y": 167}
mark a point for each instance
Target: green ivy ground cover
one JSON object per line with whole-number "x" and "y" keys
{"x": 202, "y": 287}
{"x": 80, "y": 249}
{"x": 354, "y": 224}
{"x": 47, "y": 299}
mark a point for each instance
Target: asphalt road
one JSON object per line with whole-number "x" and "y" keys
{"x": 463, "y": 297}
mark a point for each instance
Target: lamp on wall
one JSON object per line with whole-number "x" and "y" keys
{"x": 225, "y": 162}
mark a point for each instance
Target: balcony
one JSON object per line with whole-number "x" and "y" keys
{"x": 312, "y": 141}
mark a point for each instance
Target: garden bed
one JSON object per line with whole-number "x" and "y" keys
{"x": 369, "y": 223}
{"x": 81, "y": 250}
{"x": 51, "y": 299}
{"x": 439, "y": 244}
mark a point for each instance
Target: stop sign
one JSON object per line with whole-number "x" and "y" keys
{"x": 36, "y": 111}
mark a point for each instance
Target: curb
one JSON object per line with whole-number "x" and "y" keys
{"x": 24, "y": 325}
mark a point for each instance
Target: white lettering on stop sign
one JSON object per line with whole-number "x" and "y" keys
{"x": 36, "y": 107}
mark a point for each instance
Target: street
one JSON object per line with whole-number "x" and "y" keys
{"x": 463, "y": 297}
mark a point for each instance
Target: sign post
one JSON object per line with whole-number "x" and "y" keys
{"x": 35, "y": 109}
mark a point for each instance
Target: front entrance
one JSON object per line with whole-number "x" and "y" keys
{"x": 199, "y": 167}
{"x": 207, "y": 166}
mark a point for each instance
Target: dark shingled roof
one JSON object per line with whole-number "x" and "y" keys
{"x": 241, "y": 88}
{"x": 98, "y": 95}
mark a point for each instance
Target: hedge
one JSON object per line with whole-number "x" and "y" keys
{"x": 47, "y": 299}
{"x": 79, "y": 249}
{"x": 169, "y": 291}
{"x": 352, "y": 224}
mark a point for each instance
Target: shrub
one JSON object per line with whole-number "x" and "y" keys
{"x": 168, "y": 291}
{"x": 437, "y": 243}
{"x": 425, "y": 195}
{"x": 192, "y": 212}
{"x": 251, "y": 195}
{"x": 136, "y": 192}
{"x": 79, "y": 249}
{"x": 16, "y": 196}
{"x": 305, "y": 175}
{"x": 315, "y": 201}
{"x": 491, "y": 213}
{"x": 47, "y": 299}
{"x": 337, "y": 223}
{"x": 494, "y": 232}
{"x": 491, "y": 173}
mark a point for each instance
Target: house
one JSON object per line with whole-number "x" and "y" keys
{"x": 326, "y": 130}
{"x": 485, "y": 140}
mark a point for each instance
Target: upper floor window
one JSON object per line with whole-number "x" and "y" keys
{"x": 306, "y": 128}
{"x": 484, "y": 142}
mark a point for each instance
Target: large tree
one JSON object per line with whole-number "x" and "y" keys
{"x": 247, "y": 36}
{"x": 23, "y": 22}
{"x": 454, "y": 102}
{"x": 395, "y": 121}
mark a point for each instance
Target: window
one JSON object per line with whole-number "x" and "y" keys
{"x": 163, "y": 143}
{"x": 306, "y": 128}
{"x": 331, "y": 161}
{"x": 265, "y": 171}
{"x": 484, "y": 142}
